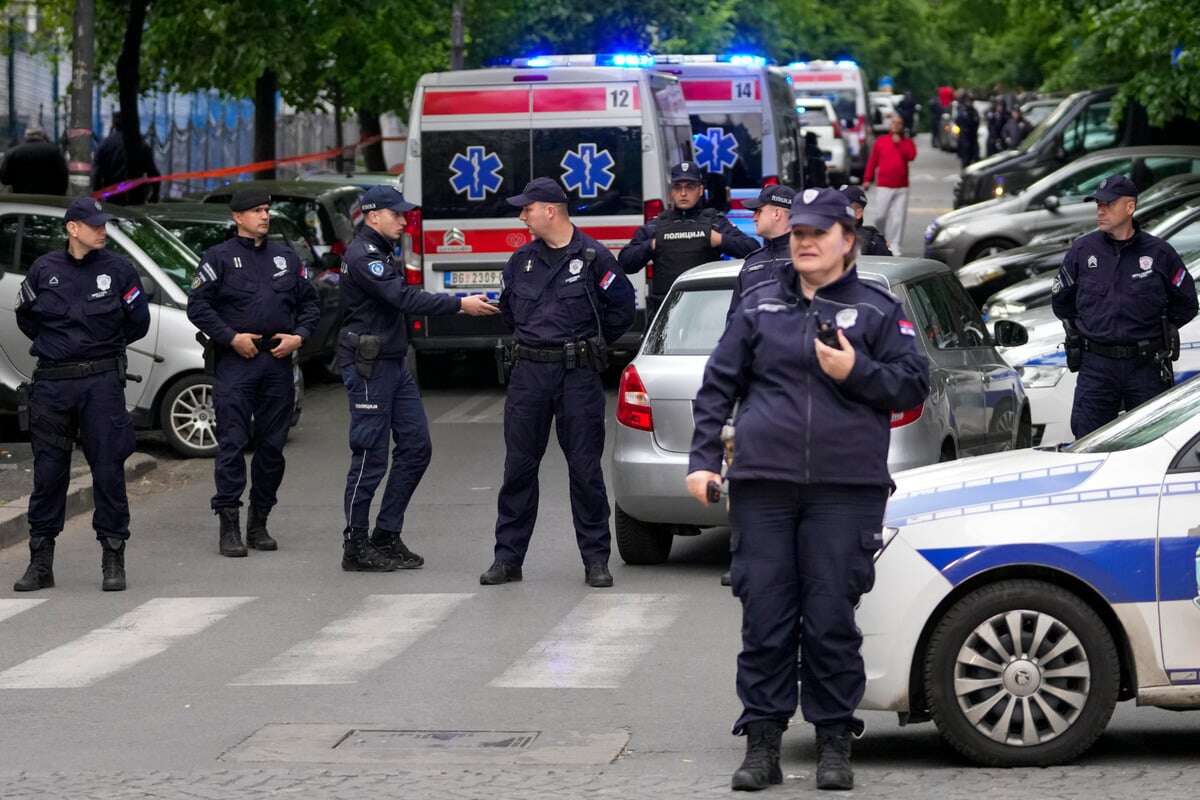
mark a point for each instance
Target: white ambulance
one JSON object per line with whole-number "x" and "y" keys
{"x": 844, "y": 83}
{"x": 744, "y": 123}
{"x": 603, "y": 126}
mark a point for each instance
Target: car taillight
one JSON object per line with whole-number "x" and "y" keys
{"x": 633, "y": 404}
{"x": 837, "y": 129}
{"x": 338, "y": 248}
{"x": 412, "y": 228}
{"x": 770, "y": 180}
{"x": 651, "y": 209}
{"x": 860, "y": 126}
{"x": 414, "y": 244}
{"x": 902, "y": 418}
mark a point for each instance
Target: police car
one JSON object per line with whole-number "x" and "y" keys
{"x": 845, "y": 84}
{"x": 1019, "y": 596}
{"x": 604, "y": 126}
{"x": 744, "y": 125}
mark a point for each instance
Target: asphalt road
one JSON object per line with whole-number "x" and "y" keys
{"x": 281, "y": 675}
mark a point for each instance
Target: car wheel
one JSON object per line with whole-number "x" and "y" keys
{"x": 642, "y": 542}
{"x": 188, "y": 417}
{"x": 988, "y": 247}
{"x": 1021, "y": 674}
{"x": 948, "y": 452}
{"x": 1024, "y": 432}
{"x": 1003, "y": 424}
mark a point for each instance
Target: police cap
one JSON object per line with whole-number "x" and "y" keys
{"x": 686, "y": 171}
{"x": 87, "y": 211}
{"x": 781, "y": 196}
{"x": 855, "y": 194}
{"x": 382, "y": 197}
{"x": 249, "y": 197}
{"x": 821, "y": 208}
{"x": 1112, "y": 188}
{"x": 539, "y": 190}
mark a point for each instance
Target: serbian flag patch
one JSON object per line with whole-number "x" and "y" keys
{"x": 906, "y": 328}
{"x": 607, "y": 280}
{"x": 1178, "y": 279}
{"x": 133, "y": 294}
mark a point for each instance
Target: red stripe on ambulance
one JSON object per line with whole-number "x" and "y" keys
{"x": 476, "y": 102}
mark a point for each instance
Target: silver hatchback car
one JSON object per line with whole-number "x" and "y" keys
{"x": 976, "y": 402}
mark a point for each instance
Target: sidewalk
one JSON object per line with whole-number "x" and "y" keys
{"x": 16, "y": 482}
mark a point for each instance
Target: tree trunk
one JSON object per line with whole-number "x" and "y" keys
{"x": 265, "y": 88}
{"x": 369, "y": 125}
{"x": 79, "y": 133}
{"x": 129, "y": 87}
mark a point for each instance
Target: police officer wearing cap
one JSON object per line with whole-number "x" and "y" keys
{"x": 685, "y": 236}
{"x": 870, "y": 240}
{"x": 81, "y": 306}
{"x": 772, "y": 209}
{"x": 252, "y": 300}
{"x": 384, "y": 400}
{"x": 818, "y": 359}
{"x": 1122, "y": 294}
{"x": 565, "y": 299}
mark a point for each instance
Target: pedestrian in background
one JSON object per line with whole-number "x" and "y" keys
{"x": 907, "y": 109}
{"x": 967, "y": 120}
{"x": 81, "y": 307}
{"x": 385, "y": 405}
{"x": 254, "y": 302}
{"x": 996, "y": 118}
{"x": 122, "y": 158}
{"x": 887, "y": 168}
{"x": 1015, "y": 129}
{"x": 36, "y": 166}
{"x": 819, "y": 359}
{"x": 870, "y": 240}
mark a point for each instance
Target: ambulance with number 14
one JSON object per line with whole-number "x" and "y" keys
{"x": 603, "y": 126}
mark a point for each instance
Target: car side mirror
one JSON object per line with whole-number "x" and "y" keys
{"x": 716, "y": 188}
{"x": 1050, "y": 202}
{"x": 330, "y": 261}
{"x": 1010, "y": 334}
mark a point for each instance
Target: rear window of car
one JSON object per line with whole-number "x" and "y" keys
{"x": 813, "y": 116}
{"x": 691, "y": 321}
{"x": 731, "y": 144}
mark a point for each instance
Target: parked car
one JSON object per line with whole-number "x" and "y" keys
{"x": 363, "y": 180}
{"x": 818, "y": 116}
{"x": 174, "y": 394}
{"x": 1018, "y": 597}
{"x": 327, "y": 212}
{"x": 202, "y": 225}
{"x": 1055, "y": 201}
{"x": 883, "y": 106}
{"x": 985, "y": 277}
{"x": 1081, "y": 124}
{"x": 1035, "y": 111}
{"x": 976, "y": 404}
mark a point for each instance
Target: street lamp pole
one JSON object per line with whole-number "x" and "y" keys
{"x": 79, "y": 132}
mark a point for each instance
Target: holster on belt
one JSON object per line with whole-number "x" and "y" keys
{"x": 1073, "y": 345}
{"x": 505, "y": 359}
{"x": 596, "y": 353}
{"x": 210, "y": 353}
{"x": 23, "y": 406}
{"x": 367, "y": 349}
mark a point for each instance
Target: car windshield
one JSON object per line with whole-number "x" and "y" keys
{"x": 1144, "y": 424}
{"x": 813, "y": 115}
{"x": 691, "y": 321}
{"x": 171, "y": 256}
{"x": 1044, "y": 128}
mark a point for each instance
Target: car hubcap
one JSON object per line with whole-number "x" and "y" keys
{"x": 193, "y": 417}
{"x": 1022, "y": 678}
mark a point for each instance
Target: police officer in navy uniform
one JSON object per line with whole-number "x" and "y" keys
{"x": 772, "y": 210}
{"x": 870, "y": 240}
{"x": 819, "y": 359}
{"x": 252, "y": 299}
{"x": 81, "y": 306}
{"x": 685, "y": 236}
{"x": 1122, "y": 294}
{"x": 384, "y": 401}
{"x": 565, "y": 298}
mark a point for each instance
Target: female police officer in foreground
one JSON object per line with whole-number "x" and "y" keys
{"x": 818, "y": 360}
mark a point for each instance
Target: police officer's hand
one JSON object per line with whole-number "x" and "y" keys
{"x": 288, "y": 344}
{"x": 835, "y": 363}
{"x": 714, "y": 238}
{"x": 477, "y": 305}
{"x": 244, "y": 344}
{"x": 697, "y": 484}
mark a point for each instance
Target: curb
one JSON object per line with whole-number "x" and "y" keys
{"x": 14, "y": 516}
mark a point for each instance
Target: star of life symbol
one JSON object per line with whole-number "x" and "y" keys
{"x": 716, "y": 150}
{"x": 476, "y": 173}
{"x": 587, "y": 171}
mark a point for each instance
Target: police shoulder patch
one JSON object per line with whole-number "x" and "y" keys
{"x": 377, "y": 268}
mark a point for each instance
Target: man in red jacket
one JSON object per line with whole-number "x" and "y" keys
{"x": 887, "y": 168}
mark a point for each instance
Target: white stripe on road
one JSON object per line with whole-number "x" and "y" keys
{"x": 129, "y": 639}
{"x": 462, "y": 411}
{"x": 596, "y": 645}
{"x": 10, "y": 608}
{"x": 493, "y": 413}
{"x": 347, "y": 649}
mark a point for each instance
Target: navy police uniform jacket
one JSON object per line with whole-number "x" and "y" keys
{"x": 683, "y": 242}
{"x": 81, "y": 309}
{"x": 241, "y": 288}
{"x": 871, "y": 242}
{"x": 795, "y": 423}
{"x": 550, "y": 297}
{"x": 769, "y": 262}
{"x": 1118, "y": 292}
{"x": 375, "y": 297}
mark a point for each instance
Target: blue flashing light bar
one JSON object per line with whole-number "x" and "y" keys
{"x": 539, "y": 61}
{"x": 798, "y": 64}
{"x": 847, "y": 64}
{"x": 625, "y": 60}
{"x": 745, "y": 60}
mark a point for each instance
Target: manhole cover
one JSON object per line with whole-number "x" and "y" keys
{"x": 437, "y": 740}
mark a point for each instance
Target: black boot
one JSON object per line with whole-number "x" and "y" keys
{"x": 256, "y": 531}
{"x": 391, "y": 545}
{"x": 760, "y": 768}
{"x": 112, "y": 564}
{"x": 40, "y": 574}
{"x": 231, "y": 533}
{"x": 597, "y": 575}
{"x": 499, "y": 573}
{"x": 833, "y": 759}
{"x": 359, "y": 555}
